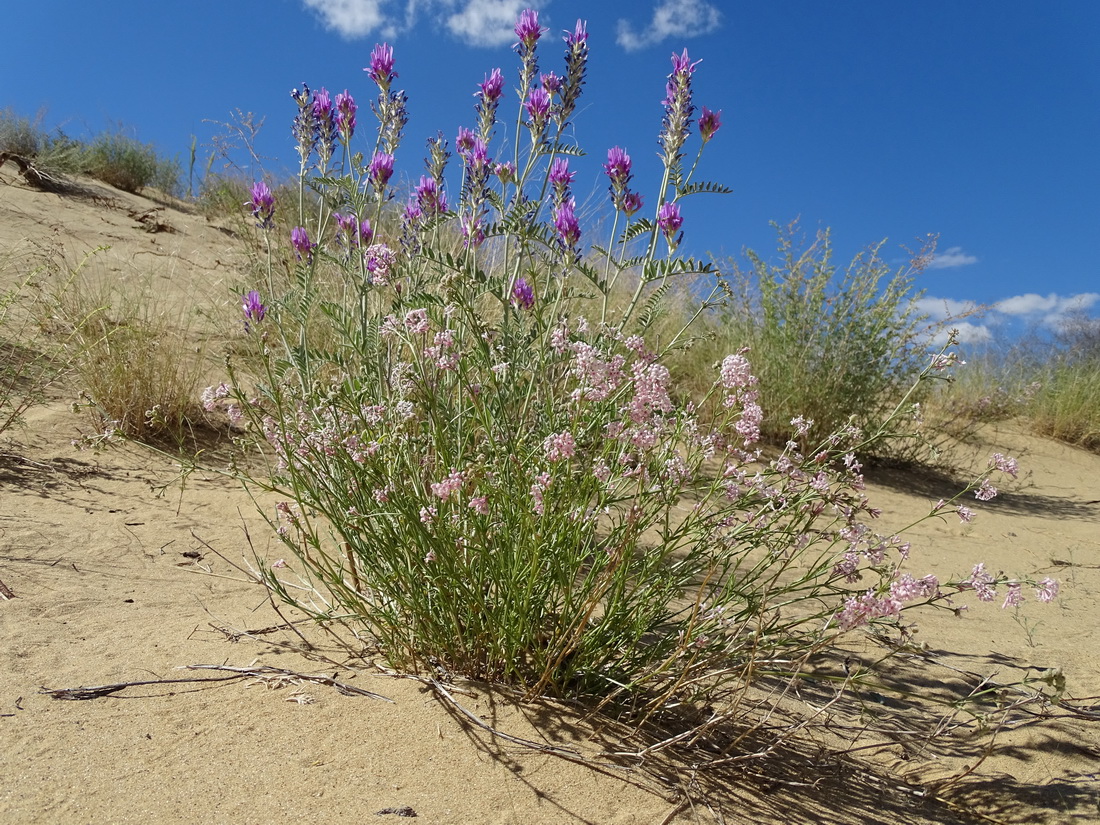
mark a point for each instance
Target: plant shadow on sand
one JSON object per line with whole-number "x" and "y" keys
{"x": 934, "y": 484}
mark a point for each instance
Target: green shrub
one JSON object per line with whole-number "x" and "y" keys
{"x": 129, "y": 165}
{"x": 831, "y": 347}
{"x": 479, "y": 480}
{"x": 1067, "y": 406}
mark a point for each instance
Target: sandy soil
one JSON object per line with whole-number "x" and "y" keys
{"x": 112, "y": 579}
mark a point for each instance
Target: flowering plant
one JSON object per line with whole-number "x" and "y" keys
{"x": 485, "y": 481}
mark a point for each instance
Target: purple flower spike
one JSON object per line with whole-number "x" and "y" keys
{"x": 670, "y": 221}
{"x": 381, "y": 66}
{"x": 523, "y": 294}
{"x": 527, "y": 28}
{"x": 505, "y": 171}
{"x": 253, "y": 308}
{"x": 617, "y": 166}
{"x": 560, "y": 176}
{"x": 565, "y": 221}
{"x": 430, "y": 198}
{"x": 465, "y": 140}
{"x": 538, "y": 107}
{"x": 262, "y": 204}
{"x": 299, "y": 239}
{"x": 345, "y": 114}
{"x": 493, "y": 86}
{"x": 551, "y": 82}
{"x": 632, "y": 202}
{"x": 380, "y": 170}
{"x": 578, "y": 35}
{"x": 709, "y": 123}
{"x": 325, "y": 118}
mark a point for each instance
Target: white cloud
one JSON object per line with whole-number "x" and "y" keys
{"x": 477, "y": 22}
{"x": 487, "y": 22}
{"x": 671, "y": 18}
{"x": 939, "y": 309}
{"x": 951, "y": 258}
{"x": 1050, "y": 306}
{"x": 967, "y": 333}
{"x": 352, "y": 18}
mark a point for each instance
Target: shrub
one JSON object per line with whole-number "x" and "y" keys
{"x": 482, "y": 482}
{"x": 137, "y": 367}
{"x": 31, "y": 358}
{"x": 834, "y": 348}
{"x": 129, "y": 165}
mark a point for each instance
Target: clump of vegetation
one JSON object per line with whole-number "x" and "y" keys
{"x": 112, "y": 157}
{"x": 33, "y": 357}
{"x": 835, "y": 348}
{"x": 138, "y": 367}
{"x": 481, "y": 478}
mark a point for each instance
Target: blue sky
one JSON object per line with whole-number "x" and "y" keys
{"x": 976, "y": 121}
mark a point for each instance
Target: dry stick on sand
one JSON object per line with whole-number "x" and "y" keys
{"x": 5, "y": 592}
{"x": 258, "y": 672}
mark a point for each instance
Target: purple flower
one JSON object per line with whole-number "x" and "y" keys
{"x": 561, "y": 178}
{"x": 527, "y": 28}
{"x": 523, "y": 294}
{"x": 380, "y": 169}
{"x": 430, "y": 197}
{"x": 322, "y": 104}
{"x": 381, "y": 66}
{"x": 262, "y": 204}
{"x": 565, "y": 221}
{"x": 253, "y": 308}
{"x": 669, "y": 219}
{"x": 551, "y": 82}
{"x": 617, "y": 166}
{"x": 465, "y": 140}
{"x": 305, "y": 124}
{"x": 299, "y": 239}
{"x": 709, "y": 123}
{"x": 345, "y": 114}
{"x": 538, "y": 107}
{"x": 350, "y": 232}
{"x": 578, "y": 35}
{"x": 493, "y": 86}
{"x": 325, "y": 118}
{"x": 576, "y": 62}
{"x": 632, "y": 202}
{"x": 472, "y": 233}
{"x": 505, "y": 171}
{"x": 678, "y": 108}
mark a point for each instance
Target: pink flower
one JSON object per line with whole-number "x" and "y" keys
{"x": 416, "y": 321}
{"x": 985, "y": 491}
{"x": 480, "y": 505}
{"x": 559, "y": 446}
{"x": 736, "y": 372}
{"x": 965, "y": 514}
{"x": 982, "y": 583}
{"x": 1047, "y": 590}
{"x": 1014, "y": 597}
{"x": 448, "y": 487}
{"x": 1006, "y": 465}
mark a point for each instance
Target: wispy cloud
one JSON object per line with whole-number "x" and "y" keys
{"x": 1047, "y": 306}
{"x": 951, "y": 258}
{"x": 671, "y": 18}
{"x": 940, "y": 309}
{"x": 1051, "y": 311}
{"x": 355, "y": 18}
{"x": 476, "y": 22}
{"x": 487, "y": 22}
{"x": 966, "y": 333}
